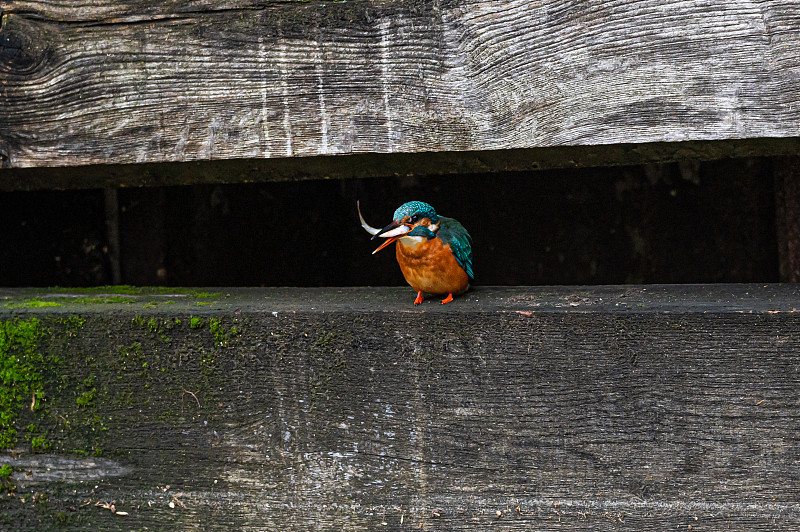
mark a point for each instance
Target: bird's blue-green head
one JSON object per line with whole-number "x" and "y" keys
{"x": 415, "y": 211}
{"x": 415, "y": 218}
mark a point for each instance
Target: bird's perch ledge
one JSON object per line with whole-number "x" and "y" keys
{"x": 284, "y": 409}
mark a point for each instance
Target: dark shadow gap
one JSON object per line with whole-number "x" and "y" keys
{"x": 687, "y": 222}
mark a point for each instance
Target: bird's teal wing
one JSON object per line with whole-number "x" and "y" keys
{"x": 453, "y": 233}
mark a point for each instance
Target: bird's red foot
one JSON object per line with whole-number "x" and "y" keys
{"x": 448, "y": 299}
{"x": 419, "y": 299}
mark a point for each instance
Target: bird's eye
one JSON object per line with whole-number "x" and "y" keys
{"x": 414, "y": 218}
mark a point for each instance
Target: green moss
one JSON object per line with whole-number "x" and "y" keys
{"x": 169, "y": 415}
{"x": 130, "y": 357}
{"x": 160, "y": 327}
{"x": 215, "y": 326}
{"x": 156, "y": 326}
{"x": 98, "y": 452}
{"x": 119, "y": 289}
{"x": 97, "y": 300}
{"x": 86, "y": 398}
{"x": 21, "y": 365}
{"x": 71, "y": 324}
{"x": 206, "y": 295}
{"x": 80, "y": 393}
{"x": 40, "y": 443}
{"x": 33, "y": 303}
{"x": 325, "y": 338}
{"x": 128, "y": 290}
{"x": 222, "y": 335}
{"x": 123, "y": 399}
{"x": 60, "y": 297}
{"x": 60, "y": 301}
{"x": 8, "y": 437}
{"x": 5, "y": 478}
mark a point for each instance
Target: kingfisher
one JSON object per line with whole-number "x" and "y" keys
{"x": 434, "y": 252}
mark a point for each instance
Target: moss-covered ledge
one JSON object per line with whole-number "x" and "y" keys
{"x": 515, "y": 408}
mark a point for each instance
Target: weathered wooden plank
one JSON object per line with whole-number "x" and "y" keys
{"x": 565, "y": 408}
{"x": 387, "y": 165}
{"x": 109, "y": 82}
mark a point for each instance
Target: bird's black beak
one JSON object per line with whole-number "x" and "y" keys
{"x": 393, "y": 225}
{"x": 391, "y": 232}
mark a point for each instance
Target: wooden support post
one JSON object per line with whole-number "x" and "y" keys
{"x": 112, "y": 233}
{"x": 787, "y": 198}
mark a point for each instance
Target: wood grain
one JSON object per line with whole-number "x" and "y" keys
{"x": 560, "y": 408}
{"x": 110, "y": 82}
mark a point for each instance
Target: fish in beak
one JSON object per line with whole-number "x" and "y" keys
{"x": 368, "y": 228}
{"x": 391, "y": 232}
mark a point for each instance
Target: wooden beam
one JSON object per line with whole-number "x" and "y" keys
{"x": 129, "y": 83}
{"x": 386, "y": 165}
{"x": 551, "y": 408}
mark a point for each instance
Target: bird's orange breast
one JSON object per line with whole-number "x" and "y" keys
{"x": 429, "y": 266}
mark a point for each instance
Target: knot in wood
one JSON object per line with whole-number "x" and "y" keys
{"x": 24, "y": 45}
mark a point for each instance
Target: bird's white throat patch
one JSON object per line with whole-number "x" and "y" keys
{"x": 412, "y": 241}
